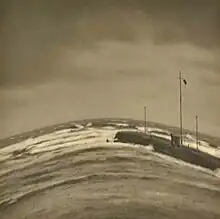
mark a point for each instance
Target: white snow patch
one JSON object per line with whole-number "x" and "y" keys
{"x": 217, "y": 172}
{"x": 63, "y": 131}
{"x": 119, "y": 124}
{"x": 78, "y": 126}
{"x": 89, "y": 124}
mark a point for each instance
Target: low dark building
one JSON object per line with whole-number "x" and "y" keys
{"x": 132, "y": 137}
{"x": 171, "y": 148}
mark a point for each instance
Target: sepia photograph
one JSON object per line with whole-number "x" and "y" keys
{"x": 110, "y": 109}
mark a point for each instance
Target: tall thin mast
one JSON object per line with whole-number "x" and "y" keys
{"x": 145, "y": 119}
{"x": 197, "y": 133}
{"x": 181, "y": 111}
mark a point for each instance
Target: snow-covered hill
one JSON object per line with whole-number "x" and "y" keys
{"x": 70, "y": 171}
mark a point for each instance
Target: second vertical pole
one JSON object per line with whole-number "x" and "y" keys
{"x": 145, "y": 119}
{"x": 197, "y": 137}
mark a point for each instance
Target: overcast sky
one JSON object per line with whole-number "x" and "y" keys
{"x": 67, "y": 60}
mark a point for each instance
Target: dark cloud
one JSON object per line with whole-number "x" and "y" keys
{"x": 34, "y": 33}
